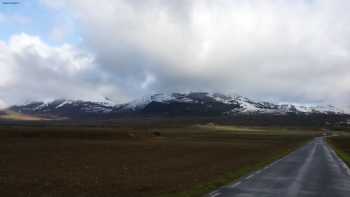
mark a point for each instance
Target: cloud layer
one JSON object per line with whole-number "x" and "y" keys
{"x": 32, "y": 70}
{"x": 296, "y": 51}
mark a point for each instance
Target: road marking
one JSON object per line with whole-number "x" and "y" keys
{"x": 215, "y": 194}
{"x": 236, "y": 184}
{"x": 249, "y": 177}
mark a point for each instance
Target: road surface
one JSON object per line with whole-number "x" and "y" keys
{"x": 311, "y": 171}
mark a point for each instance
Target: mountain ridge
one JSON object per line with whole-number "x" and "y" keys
{"x": 193, "y": 103}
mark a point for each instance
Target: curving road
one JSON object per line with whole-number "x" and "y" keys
{"x": 312, "y": 171}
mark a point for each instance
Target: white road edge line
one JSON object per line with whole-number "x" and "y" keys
{"x": 236, "y": 184}
{"x": 215, "y": 194}
{"x": 249, "y": 177}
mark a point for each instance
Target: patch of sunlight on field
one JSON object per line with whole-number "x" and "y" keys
{"x": 254, "y": 130}
{"x": 9, "y": 115}
{"x": 229, "y": 128}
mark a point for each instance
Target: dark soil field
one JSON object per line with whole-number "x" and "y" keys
{"x": 83, "y": 162}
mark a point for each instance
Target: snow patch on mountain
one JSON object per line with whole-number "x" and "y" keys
{"x": 41, "y": 106}
{"x": 245, "y": 105}
{"x": 311, "y": 108}
{"x": 161, "y": 98}
{"x": 65, "y": 102}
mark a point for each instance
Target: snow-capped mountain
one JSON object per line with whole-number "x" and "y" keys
{"x": 66, "y": 108}
{"x": 313, "y": 108}
{"x": 238, "y": 103}
{"x": 194, "y": 103}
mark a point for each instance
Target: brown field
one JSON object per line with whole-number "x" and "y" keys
{"x": 81, "y": 161}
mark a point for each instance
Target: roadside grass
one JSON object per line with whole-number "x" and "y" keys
{"x": 341, "y": 145}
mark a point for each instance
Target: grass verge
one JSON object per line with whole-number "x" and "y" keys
{"x": 341, "y": 146}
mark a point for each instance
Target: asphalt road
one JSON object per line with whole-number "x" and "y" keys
{"x": 313, "y": 170}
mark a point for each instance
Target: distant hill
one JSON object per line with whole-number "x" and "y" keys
{"x": 175, "y": 104}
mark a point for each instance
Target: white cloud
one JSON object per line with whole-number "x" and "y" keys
{"x": 290, "y": 50}
{"x": 32, "y": 70}
{"x": 6, "y": 66}
{"x": 2, "y": 104}
{"x": 64, "y": 59}
{"x": 281, "y": 50}
{"x": 149, "y": 80}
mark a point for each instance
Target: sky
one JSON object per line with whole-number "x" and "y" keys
{"x": 276, "y": 50}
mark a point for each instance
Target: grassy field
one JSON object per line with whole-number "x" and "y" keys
{"x": 341, "y": 144}
{"x": 126, "y": 161}
{"x": 257, "y": 129}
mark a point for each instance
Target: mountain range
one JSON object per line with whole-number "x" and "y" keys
{"x": 175, "y": 104}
